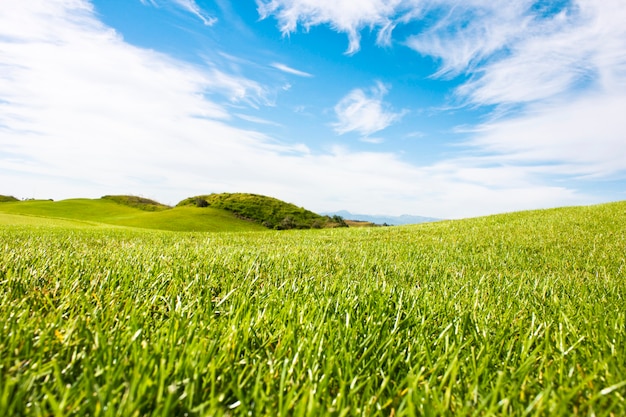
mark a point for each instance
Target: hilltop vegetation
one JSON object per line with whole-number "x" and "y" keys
{"x": 137, "y": 202}
{"x": 7, "y": 198}
{"x": 519, "y": 314}
{"x": 267, "y": 211}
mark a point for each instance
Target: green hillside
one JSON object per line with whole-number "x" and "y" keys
{"x": 7, "y": 198}
{"x": 518, "y": 314}
{"x": 125, "y": 212}
{"x": 267, "y": 211}
{"x": 215, "y": 212}
{"x": 38, "y": 221}
{"x": 137, "y": 202}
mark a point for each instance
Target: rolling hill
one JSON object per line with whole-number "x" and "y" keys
{"x": 214, "y": 212}
{"x": 267, "y": 211}
{"x": 128, "y": 212}
{"x": 7, "y": 198}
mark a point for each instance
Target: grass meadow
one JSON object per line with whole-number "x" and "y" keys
{"x": 107, "y": 212}
{"x": 520, "y": 314}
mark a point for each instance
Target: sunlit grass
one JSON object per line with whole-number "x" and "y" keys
{"x": 29, "y": 220}
{"x": 108, "y": 212}
{"x": 520, "y": 314}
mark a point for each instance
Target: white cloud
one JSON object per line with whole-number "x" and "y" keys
{"x": 346, "y": 16}
{"x": 190, "y": 6}
{"x": 467, "y": 33}
{"x": 254, "y": 119}
{"x": 289, "y": 70}
{"x": 586, "y": 47}
{"x": 382, "y": 183}
{"x": 583, "y": 138}
{"x": 368, "y": 139}
{"x": 77, "y": 102}
{"x": 570, "y": 75}
{"x": 237, "y": 89}
{"x": 364, "y": 111}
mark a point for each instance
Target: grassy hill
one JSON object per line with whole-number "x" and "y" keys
{"x": 267, "y": 211}
{"x": 120, "y": 211}
{"x": 214, "y": 212}
{"x": 137, "y": 202}
{"x": 518, "y": 314}
{"x": 7, "y": 198}
{"x": 39, "y": 221}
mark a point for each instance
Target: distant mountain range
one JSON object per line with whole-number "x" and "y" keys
{"x": 383, "y": 219}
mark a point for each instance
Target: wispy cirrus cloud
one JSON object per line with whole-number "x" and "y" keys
{"x": 289, "y": 70}
{"x": 188, "y": 5}
{"x": 254, "y": 119}
{"x": 192, "y": 7}
{"x": 346, "y": 16}
{"x": 569, "y": 75}
{"x": 463, "y": 35}
{"x": 579, "y": 49}
{"x": 364, "y": 111}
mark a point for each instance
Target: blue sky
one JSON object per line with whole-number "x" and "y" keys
{"x": 439, "y": 108}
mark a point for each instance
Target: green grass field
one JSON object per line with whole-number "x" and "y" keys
{"x": 108, "y": 212}
{"x": 518, "y": 314}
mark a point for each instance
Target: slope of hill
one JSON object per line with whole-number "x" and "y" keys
{"x": 7, "y": 219}
{"x": 137, "y": 202}
{"x": 121, "y": 212}
{"x": 214, "y": 212}
{"x": 7, "y": 198}
{"x": 267, "y": 211}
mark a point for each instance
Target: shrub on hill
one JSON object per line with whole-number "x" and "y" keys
{"x": 137, "y": 202}
{"x": 7, "y": 198}
{"x": 267, "y": 211}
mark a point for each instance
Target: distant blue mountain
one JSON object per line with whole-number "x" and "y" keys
{"x": 383, "y": 219}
